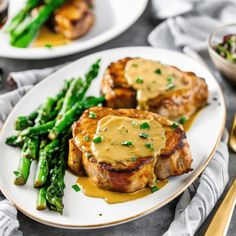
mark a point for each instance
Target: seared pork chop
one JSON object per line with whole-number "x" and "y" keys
{"x": 73, "y": 19}
{"x": 174, "y": 157}
{"x": 171, "y": 103}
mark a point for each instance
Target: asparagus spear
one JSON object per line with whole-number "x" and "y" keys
{"x": 41, "y": 199}
{"x": 15, "y": 141}
{"x": 45, "y": 110}
{"x": 70, "y": 96}
{"x": 23, "y": 170}
{"x": 55, "y": 191}
{"x": 39, "y": 129}
{"x": 31, "y": 151}
{"x": 20, "y": 16}
{"x": 22, "y": 122}
{"x": 56, "y": 110}
{"x": 26, "y": 35}
{"x": 89, "y": 77}
{"x": 44, "y": 161}
{"x": 70, "y": 116}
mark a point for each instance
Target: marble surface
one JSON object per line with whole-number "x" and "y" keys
{"x": 156, "y": 223}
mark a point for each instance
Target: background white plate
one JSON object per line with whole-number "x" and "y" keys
{"x": 112, "y": 18}
{"x": 81, "y": 211}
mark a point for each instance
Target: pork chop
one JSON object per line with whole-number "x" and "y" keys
{"x": 172, "y": 103}
{"x": 73, "y": 19}
{"x": 174, "y": 158}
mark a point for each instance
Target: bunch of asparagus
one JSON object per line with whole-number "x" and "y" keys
{"x": 44, "y": 134}
{"x": 24, "y": 26}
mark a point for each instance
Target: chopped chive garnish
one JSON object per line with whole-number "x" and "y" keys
{"x": 158, "y": 71}
{"x": 16, "y": 173}
{"x": 92, "y": 115}
{"x": 144, "y": 125}
{"x": 182, "y": 120}
{"x": 143, "y": 135}
{"x": 100, "y": 214}
{"x": 76, "y": 187}
{"x": 48, "y": 45}
{"x": 154, "y": 189}
{"x": 97, "y": 140}
{"x": 174, "y": 126}
{"x": 170, "y": 82}
{"x": 127, "y": 143}
{"x": 88, "y": 154}
{"x": 86, "y": 138}
{"x": 133, "y": 158}
{"x": 139, "y": 81}
{"x": 134, "y": 65}
{"x": 149, "y": 146}
{"x": 90, "y": 6}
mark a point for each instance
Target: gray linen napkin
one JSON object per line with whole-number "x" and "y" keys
{"x": 187, "y": 29}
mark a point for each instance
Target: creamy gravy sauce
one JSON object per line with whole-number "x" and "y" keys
{"x": 48, "y": 38}
{"x": 91, "y": 190}
{"x": 150, "y": 79}
{"x": 191, "y": 120}
{"x": 124, "y": 139}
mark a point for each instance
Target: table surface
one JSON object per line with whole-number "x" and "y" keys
{"x": 158, "y": 222}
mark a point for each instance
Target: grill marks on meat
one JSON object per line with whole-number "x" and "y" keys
{"x": 172, "y": 104}
{"x": 73, "y": 19}
{"x": 175, "y": 158}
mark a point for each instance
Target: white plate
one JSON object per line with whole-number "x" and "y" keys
{"x": 81, "y": 211}
{"x": 112, "y": 18}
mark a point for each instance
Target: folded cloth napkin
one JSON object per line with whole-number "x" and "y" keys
{"x": 186, "y": 29}
{"x": 24, "y": 81}
{"x": 199, "y": 199}
{"x": 189, "y": 21}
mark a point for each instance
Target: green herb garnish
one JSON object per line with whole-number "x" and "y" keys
{"x": 86, "y": 138}
{"x": 139, "y": 81}
{"x": 100, "y": 214}
{"x": 143, "y": 135}
{"x": 149, "y": 146}
{"x": 144, "y": 125}
{"x": 157, "y": 71}
{"x": 154, "y": 189}
{"x": 170, "y": 82}
{"x": 92, "y": 115}
{"x": 48, "y": 45}
{"x": 88, "y": 154}
{"x": 133, "y": 159}
{"x": 182, "y": 120}
{"x": 134, "y": 65}
{"x": 127, "y": 143}
{"x": 174, "y": 126}
{"x": 76, "y": 187}
{"x": 16, "y": 173}
{"x": 97, "y": 140}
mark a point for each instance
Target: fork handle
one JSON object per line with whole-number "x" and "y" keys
{"x": 220, "y": 223}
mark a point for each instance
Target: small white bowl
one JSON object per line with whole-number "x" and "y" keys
{"x": 226, "y": 67}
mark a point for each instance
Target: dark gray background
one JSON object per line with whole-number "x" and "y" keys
{"x": 158, "y": 222}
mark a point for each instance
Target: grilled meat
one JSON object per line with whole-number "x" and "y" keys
{"x": 172, "y": 104}
{"x": 73, "y": 19}
{"x": 174, "y": 159}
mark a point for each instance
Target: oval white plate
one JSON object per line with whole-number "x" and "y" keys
{"x": 112, "y": 18}
{"x": 81, "y": 211}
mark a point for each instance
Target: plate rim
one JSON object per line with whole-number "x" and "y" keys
{"x": 150, "y": 210}
{"x": 91, "y": 43}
